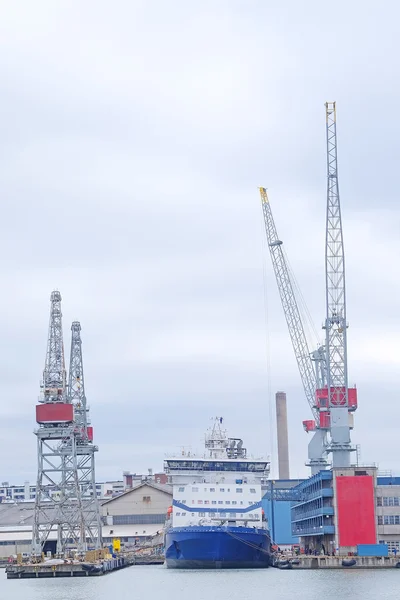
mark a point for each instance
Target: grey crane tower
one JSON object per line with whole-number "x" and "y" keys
{"x": 311, "y": 365}
{"x": 90, "y": 534}
{"x": 59, "y": 506}
{"x": 336, "y": 323}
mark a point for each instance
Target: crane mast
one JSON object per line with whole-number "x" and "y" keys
{"x": 336, "y": 324}
{"x": 304, "y": 358}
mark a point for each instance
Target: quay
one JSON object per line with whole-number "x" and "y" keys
{"x": 43, "y": 570}
{"x": 337, "y": 562}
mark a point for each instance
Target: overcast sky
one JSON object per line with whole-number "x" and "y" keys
{"x": 134, "y": 135}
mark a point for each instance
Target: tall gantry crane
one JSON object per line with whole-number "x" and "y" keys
{"x": 337, "y": 396}
{"x": 64, "y": 458}
{"x": 309, "y": 375}
{"x": 90, "y": 526}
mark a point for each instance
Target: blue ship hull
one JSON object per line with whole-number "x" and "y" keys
{"x": 217, "y": 548}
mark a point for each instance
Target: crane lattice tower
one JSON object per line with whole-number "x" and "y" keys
{"x": 59, "y": 510}
{"x": 90, "y": 535}
{"x": 336, "y": 323}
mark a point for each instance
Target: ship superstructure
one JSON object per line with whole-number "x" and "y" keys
{"x": 216, "y": 518}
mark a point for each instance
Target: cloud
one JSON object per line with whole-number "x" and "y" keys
{"x": 133, "y": 142}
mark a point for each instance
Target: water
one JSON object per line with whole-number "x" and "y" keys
{"x": 158, "y": 583}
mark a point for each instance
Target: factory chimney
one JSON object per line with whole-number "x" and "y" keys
{"x": 282, "y": 435}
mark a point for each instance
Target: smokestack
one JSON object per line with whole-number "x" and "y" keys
{"x": 282, "y": 434}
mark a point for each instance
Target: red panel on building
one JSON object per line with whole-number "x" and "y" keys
{"x": 356, "y": 510}
{"x": 54, "y": 413}
{"x": 90, "y": 434}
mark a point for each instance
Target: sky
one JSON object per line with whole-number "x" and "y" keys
{"x": 134, "y": 136}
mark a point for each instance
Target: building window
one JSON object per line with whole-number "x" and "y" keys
{"x": 380, "y": 520}
{"x": 379, "y": 501}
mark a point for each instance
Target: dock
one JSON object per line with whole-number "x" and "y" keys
{"x": 338, "y": 562}
{"x": 43, "y": 570}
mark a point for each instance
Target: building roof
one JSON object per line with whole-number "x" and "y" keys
{"x": 165, "y": 488}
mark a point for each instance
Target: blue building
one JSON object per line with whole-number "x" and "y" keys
{"x": 277, "y": 503}
{"x": 312, "y": 511}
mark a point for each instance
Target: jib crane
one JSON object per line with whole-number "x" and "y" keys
{"x": 309, "y": 376}
{"x": 340, "y": 400}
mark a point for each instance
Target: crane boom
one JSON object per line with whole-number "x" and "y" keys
{"x": 290, "y": 308}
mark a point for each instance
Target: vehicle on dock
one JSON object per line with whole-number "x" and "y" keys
{"x": 216, "y": 519}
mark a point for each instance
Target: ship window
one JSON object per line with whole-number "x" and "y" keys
{"x": 183, "y": 501}
{"x": 202, "y": 514}
{"x": 206, "y": 502}
{"x": 193, "y": 514}
{"x": 239, "y": 490}
{"x": 232, "y": 515}
{"x": 195, "y": 489}
{"x": 181, "y": 489}
{"x": 220, "y": 501}
{"x": 222, "y": 514}
{"x": 213, "y": 502}
{"x": 212, "y": 489}
{"x": 210, "y": 514}
{"x": 252, "y": 491}
{"x": 234, "y": 502}
{"x": 199, "y": 501}
{"x": 184, "y": 514}
{"x": 241, "y": 502}
{"x": 221, "y": 489}
{"x": 192, "y": 501}
{"x": 227, "y": 501}
{"x": 205, "y": 489}
{"x": 178, "y": 514}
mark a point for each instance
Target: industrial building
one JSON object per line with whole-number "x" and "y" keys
{"x": 135, "y": 517}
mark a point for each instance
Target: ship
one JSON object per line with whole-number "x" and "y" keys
{"x": 216, "y": 520}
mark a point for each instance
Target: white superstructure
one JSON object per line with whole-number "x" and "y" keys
{"x": 222, "y": 487}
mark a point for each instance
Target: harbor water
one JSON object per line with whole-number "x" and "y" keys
{"x": 159, "y": 583}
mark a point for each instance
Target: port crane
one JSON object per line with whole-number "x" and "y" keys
{"x": 66, "y": 504}
{"x": 325, "y": 368}
{"x": 337, "y": 397}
